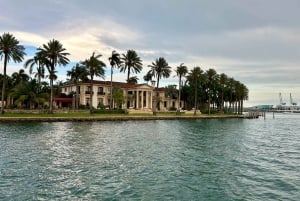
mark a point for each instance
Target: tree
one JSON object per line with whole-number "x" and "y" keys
{"x": 25, "y": 94}
{"x": 114, "y": 61}
{"x": 77, "y": 73}
{"x": 10, "y": 50}
{"x": 222, "y": 81}
{"x": 118, "y": 96}
{"x": 133, "y": 80}
{"x": 148, "y": 77}
{"x": 53, "y": 54}
{"x": 131, "y": 63}
{"x": 180, "y": 71}
{"x": 40, "y": 68}
{"x": 160, "y": 68}
{"x": 19, "y": 77}
{"x": 95, "y": 67}
{"x": 193, "y": 79}
{"x": 212, "y": 77}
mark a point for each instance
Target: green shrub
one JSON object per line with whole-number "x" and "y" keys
{"x": 110, "y": 111}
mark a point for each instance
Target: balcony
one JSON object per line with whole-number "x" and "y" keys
{"x": 100, "y": 93}
{"x": 87, "y": 92}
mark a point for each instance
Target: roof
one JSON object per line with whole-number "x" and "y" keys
{"x": 118, "y": 84}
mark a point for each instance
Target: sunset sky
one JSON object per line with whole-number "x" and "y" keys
{"x": 256, "y": 42}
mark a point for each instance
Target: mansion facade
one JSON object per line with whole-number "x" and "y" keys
{"x": 140, "y": 96}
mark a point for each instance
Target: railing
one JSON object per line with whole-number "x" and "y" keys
{"x": 101, "y": 93}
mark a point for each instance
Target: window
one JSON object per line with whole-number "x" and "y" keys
{"x": 78, "y": 89}
{"x": 88, "y": 88}
{"x": 100, "y": 91}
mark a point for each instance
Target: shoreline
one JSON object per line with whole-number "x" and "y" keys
{"x": 115, "y": 118}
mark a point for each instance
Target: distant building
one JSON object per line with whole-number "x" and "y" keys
{"x": 140, "y": 96}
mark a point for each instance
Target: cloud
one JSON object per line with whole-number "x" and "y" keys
{"x": 256, "y": 42}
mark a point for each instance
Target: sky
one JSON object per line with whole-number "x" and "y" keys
{"x": 256, "y": 42}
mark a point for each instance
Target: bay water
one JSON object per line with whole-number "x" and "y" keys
{"x": 208, "y": 159}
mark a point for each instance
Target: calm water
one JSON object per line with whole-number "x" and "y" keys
{"x": 231, "y": 159}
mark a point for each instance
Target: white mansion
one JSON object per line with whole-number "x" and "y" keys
{"x": 140, "y": 96}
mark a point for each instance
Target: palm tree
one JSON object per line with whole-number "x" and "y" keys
{"x": 131, "y": 63}
{"x": 10, "y": 50}
{"x": 19, "y": 77}
{"x": 77, "y": 73}
{"x": 223, "y": 79}
{"x": 160, "y": 68}
{"x": 245, "y": 96}
{"x": 40, "y": 69}
{"x": 114, "y": 61}
{"x": 133, "y": 80}
{"x": 148, "y": 77}
{"x": 95, "y": 67}
{"x": 180, "y": 71}
{"x": 193, "y": 79}
{"x": 211, "y": 78}
{"x": 53, "y": 54}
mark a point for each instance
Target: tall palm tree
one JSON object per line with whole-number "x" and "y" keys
{"x": 77, "y": 73}
{"x": 180, "y": 71}
{"x": 53, "y": 54}
{"x": 114, "y": 61}
{"x": 131, "y": 63}
{"x": 245, "y": 96}
{"x": 10, "y": 50}
{"x": 223, "y": 80}
{"x": 193, "y": 79}
{"x": 95, "y": 67}
{"x": 160, "y": 68}
{"x": 37, "y": 61}
{"x": 211, "y": 78}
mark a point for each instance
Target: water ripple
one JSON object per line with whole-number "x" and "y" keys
{"x": 231, "y": 159}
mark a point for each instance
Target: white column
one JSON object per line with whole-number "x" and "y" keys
{"x": 147, "y": 99}
{"x": 151, "y": 99}
{"x": 142, "y": 99}
{"x": 137, "y": 99}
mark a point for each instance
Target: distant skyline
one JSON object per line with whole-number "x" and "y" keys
{"x": 256, "y": 42}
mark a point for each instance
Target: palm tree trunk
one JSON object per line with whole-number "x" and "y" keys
{"x": 179, "y": 93}
{"x": 242, "y": 106}
{"x": 128, "y": 74}
{"x": 4, "y": 82}
{"x": 51, "y": 96}
{"x": 155, "y": 98}
{"x": 209, "y": 102}
{"x": 76, "y": 97}
{"x": 91, "y": 96}
{"x": 196, "y": 94}
{"x": 111, "y": 77}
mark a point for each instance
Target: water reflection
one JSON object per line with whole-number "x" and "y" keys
{"x": 174, "y": 160}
